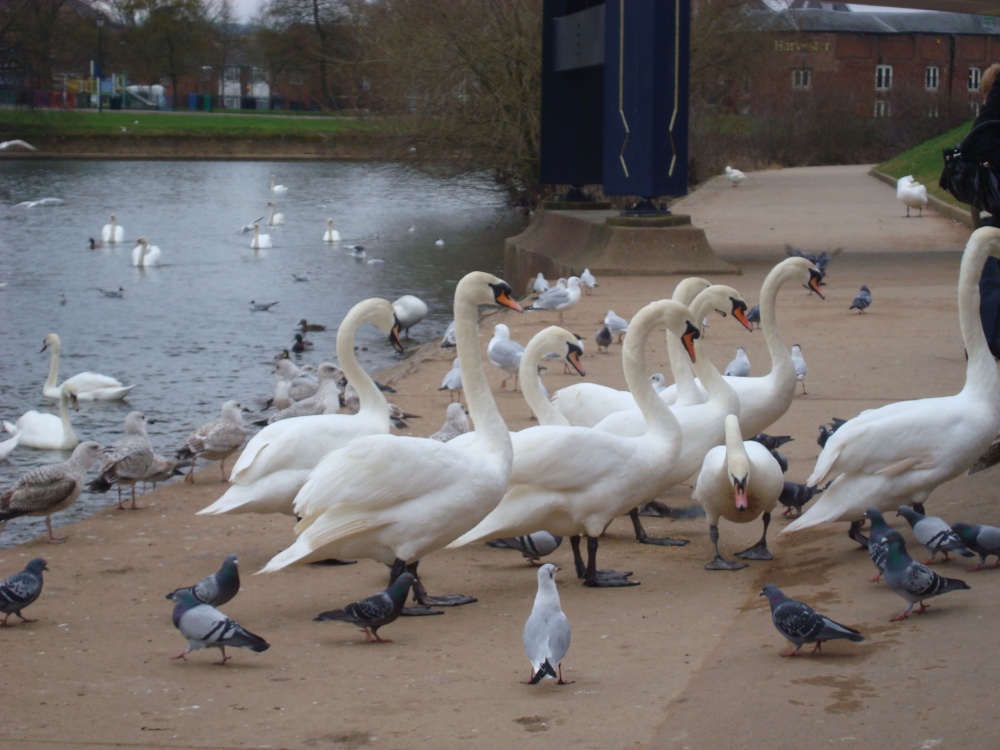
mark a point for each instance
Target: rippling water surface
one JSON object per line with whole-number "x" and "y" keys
{"x": 183, "y": 331}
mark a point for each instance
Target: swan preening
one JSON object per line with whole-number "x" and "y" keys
{"x": 89, "y": 386}
{"x": 277, "y": 460}
{"x": 899, "y": 453}
{"x": 145, "y": 255}
{"x": 410, "y": 310}
{"x": 353, "y": 507}
{"x": 912, "y": 194}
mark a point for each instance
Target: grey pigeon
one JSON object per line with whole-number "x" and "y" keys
{"x": 376, "y": 610}
{"x": 912, "y": 580}
{"x": 753, "y": 315}
{"x": 793, "y": 496}
{"x": 48, "y": 489}
{"x": 878, "y": 548}
{"x": 801, "y": 624}
{"x": 934, "y": 533}
{"x": 771, "y": 442}
{"x": 21, "y": 589}
{"x": 532, "y": 546}
{"x": 206, "y": 627}
{"x": 127, "y": 461}
{"x": 215, "y": 440}
{"x": 546, "y": 633}
{"x": 981, "y": 539}
{"x": 862, "y": 299}
{"x": 218, "y": 588}
{"x": 825, "y": 430}
{"x": 821, "y": 261}
{"x": 740, "y": 366}
{"x": 604, "y": 339}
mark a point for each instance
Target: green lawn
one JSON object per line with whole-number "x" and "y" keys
{"x": 83, "y": 123}
{"x": 925, "y": 162}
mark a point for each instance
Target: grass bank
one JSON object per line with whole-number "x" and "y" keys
{"x": 925, "y": 162}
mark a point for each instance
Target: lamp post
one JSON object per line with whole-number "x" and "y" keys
{"x": 100, "y": 60}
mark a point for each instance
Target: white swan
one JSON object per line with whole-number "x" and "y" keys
{"x": 739, "y": 481}
{"x": 911, "y": 193}
{"x": 260, "y": 241}
{"x": 48, "y": 432}
{"x": 352, "y": 506}
{"x": 410, "y": 310}
{"x": 90, "y": 386}
{"x": 145, "y": 255}
{"x": 278, "y": 189}
{"x": 573, "y": 480}
{"x": 551, "y": 339}
{"x": 112, "y": 231}
{"x": 899, "y": 453}
{"x": 331, "y": 234}
{"x": 274, "y": 218}
{"x": 277, "y": 460}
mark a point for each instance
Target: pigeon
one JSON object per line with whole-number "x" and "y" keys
{"x": 588, "y": 281}
{"x": 912, "y": 193}
{"x": 825, "y": 430}
{"x": 261, "y": 306}
{"x": 801, "y": 624}
{"x": 862, "y": 299}
{"x": 452, "y": 380}
{"x": 801, "y": 368}
{"x": 616, "y": 324}
{"x": 21, "y": 589}
{"x": 771, "y": 442}
{"x": 532, "y": 546}
{"x": 504, "y": 353}
{"x": 821, "y": 261}
{"x": 218, "y": 588}
{"x": 753, "y": 315}
{"x": 934, "y": 533}
{"x": 878, "y": 548}
{"x": 740, "y": 366}
{"x": 48, "y": 489}
{"x": 456, "y": 423}
{"x": 376, "y": 610}
{"x": 981, "y": 539}
{"x": 546, "y": 633}
{"x": 206, "y": 627}
{"x": 793, "y": 496}
{"x": 216, "y": 440}
{"x": 734, "y": 176}
{"x": 603, "y": 338}
{"x": 912, "y": 580}
{"x": 127, "y": 461}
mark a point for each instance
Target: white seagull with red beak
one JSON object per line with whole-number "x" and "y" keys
{"x": 739, "y": 481}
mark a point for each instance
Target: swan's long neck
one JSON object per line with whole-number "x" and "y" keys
{"x": 482, "y": 408}
{"x": 370, "y": 398}
{"x": 64, "y": 414}
{"x": 708, "y": 373}
{"x": 659, "y": 418}
{"x": 680, "y": 364}
{"x": 52, "y": 380}
{"x": 540, "y": 406}
{"x": 981, "y": 370}
{"x": 781, "y": 357}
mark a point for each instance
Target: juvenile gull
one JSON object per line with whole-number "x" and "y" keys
{"x": 215, "y": 440}
{"x": 127, "y": 461}
{"x": 456, "y": 423}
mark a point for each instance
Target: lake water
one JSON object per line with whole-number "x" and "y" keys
{"x": 183, "y": 331}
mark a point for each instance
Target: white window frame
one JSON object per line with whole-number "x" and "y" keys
{"x": 801, "y": 79}
{"x": 883, "y": 77}
{"x": 975, "y": 78}
{"x": 932, "y": 77}
{"x": 882, "y": 108}
{"x": 932, "y": 110}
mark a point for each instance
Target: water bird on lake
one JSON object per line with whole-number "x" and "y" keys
{"x": 278, "y": 189}
{"x": 331, "y": 234}
{"x": 113, "y": 231}
{"x": 247, "y": 228}
{"x": 145, "y": 255}
{"x": 410, "y": 310}
{"x": 305, "y": 326}
{"x": 45, "y": 431}
{"x": 16, "y": 144}
{"x": 113, "y": 293}
{"x": 261, "y": 306}
{"x": 89, "y": 386}
{"x": 274, "y": 218}
{"x": 260, "y": 241}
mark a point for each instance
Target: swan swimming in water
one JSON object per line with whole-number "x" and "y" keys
{"x": 278, "y": 189}
{"x": 113, "y": 232}
{"x": 89, "y": 386}
{"x": 48, "y": 432}
{"x": 331, "y": 234}
{"x": 260, "y": 241}
{"x": 145, "y": 255}
{"x": 274, "y": 218}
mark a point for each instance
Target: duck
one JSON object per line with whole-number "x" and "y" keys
{"x": 351, "y": 507}
{"x": 90, "y": 386}
{"x": 278, "y": 189}
{"x": 113, "y": 231}
{"x": 900, "y": 453}
{"x": 573, "y": 481}
{"x": 912, "y": 194}
{"x": 48, "y": 432}
{"x": 739, "y": 481}
{"x": 95, "y": 244}
{"x": 274, "y": 218}
{"x": 145, "y": 255}
{"x": 305, "y": 326}
{"x": 331, "y": 234}
{"x": 277, "y": 460}
{"x": 301, "y": 344}
{"x": 410, "y": 310}
{"x": 260, "y": 241}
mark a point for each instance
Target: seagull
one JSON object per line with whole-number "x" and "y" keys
{"x": 206, "y": 627}
{"x": 504, "y": 353}
{"x": 862, "y": 299}
{"x": 16, "y": 144}
{"x": 452, "y": 381}
{"x": 21, "y": 589}
{"x": 456, "y": 423}
{"x": 439, "y": 242}
{"x": 113, "y": 293}
{"x": 801, "y": 368}
{"x": 734, "y": 176}
{"x": 448, "y": 340}
{"x": 558, "y": 298}
{"x": 127, "y": 461}
{"x": 801, "y": 624}
{"x": 247, "y": 228}
{"x": 588, "y": 281}
{"x": 616, "y": 324}
{"x": 912, "y": 193}
{"x": 540, "y": 284}
{"x": 740, "y": 366}
{"x": 374, "y": 611}
{"x": 261, "y": 306}
{"x": 216, "y": 440}
{"x": 546, "y": 634}
{"x": 41, "y": 202}
{"x": 219, "y": 587}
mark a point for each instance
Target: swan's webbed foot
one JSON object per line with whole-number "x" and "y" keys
{"x": 720, "y": 563}
{"x": 334, "y": 561}
{"x": 655, "y": 509}
{"x": 448, "y": 600}
{"x": 604, "y": 579}
{"x": 758, "y": 552}
{"x": 643, "y": 538}
{"x": 420, "y": 611}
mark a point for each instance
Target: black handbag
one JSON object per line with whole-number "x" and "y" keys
{"x": 971, "y": 168}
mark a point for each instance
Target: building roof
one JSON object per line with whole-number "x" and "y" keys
{"x": 839, "y": 21}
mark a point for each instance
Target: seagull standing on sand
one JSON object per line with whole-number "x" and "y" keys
{"x": 540, "y": 284}
{"x": 456, "y": 423}
{"x": 546, "y": 634}
{"x": 616, "y": 324}
{"x": 588, "y": 281}
{"x": 452, "y": 381}
{"x": 127, "y": 461}
{"x": 740, "y": 366}
{"x": 558, "y": 298}
{"x": 504, "y": 353}
{"x": 216, "y": 440}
